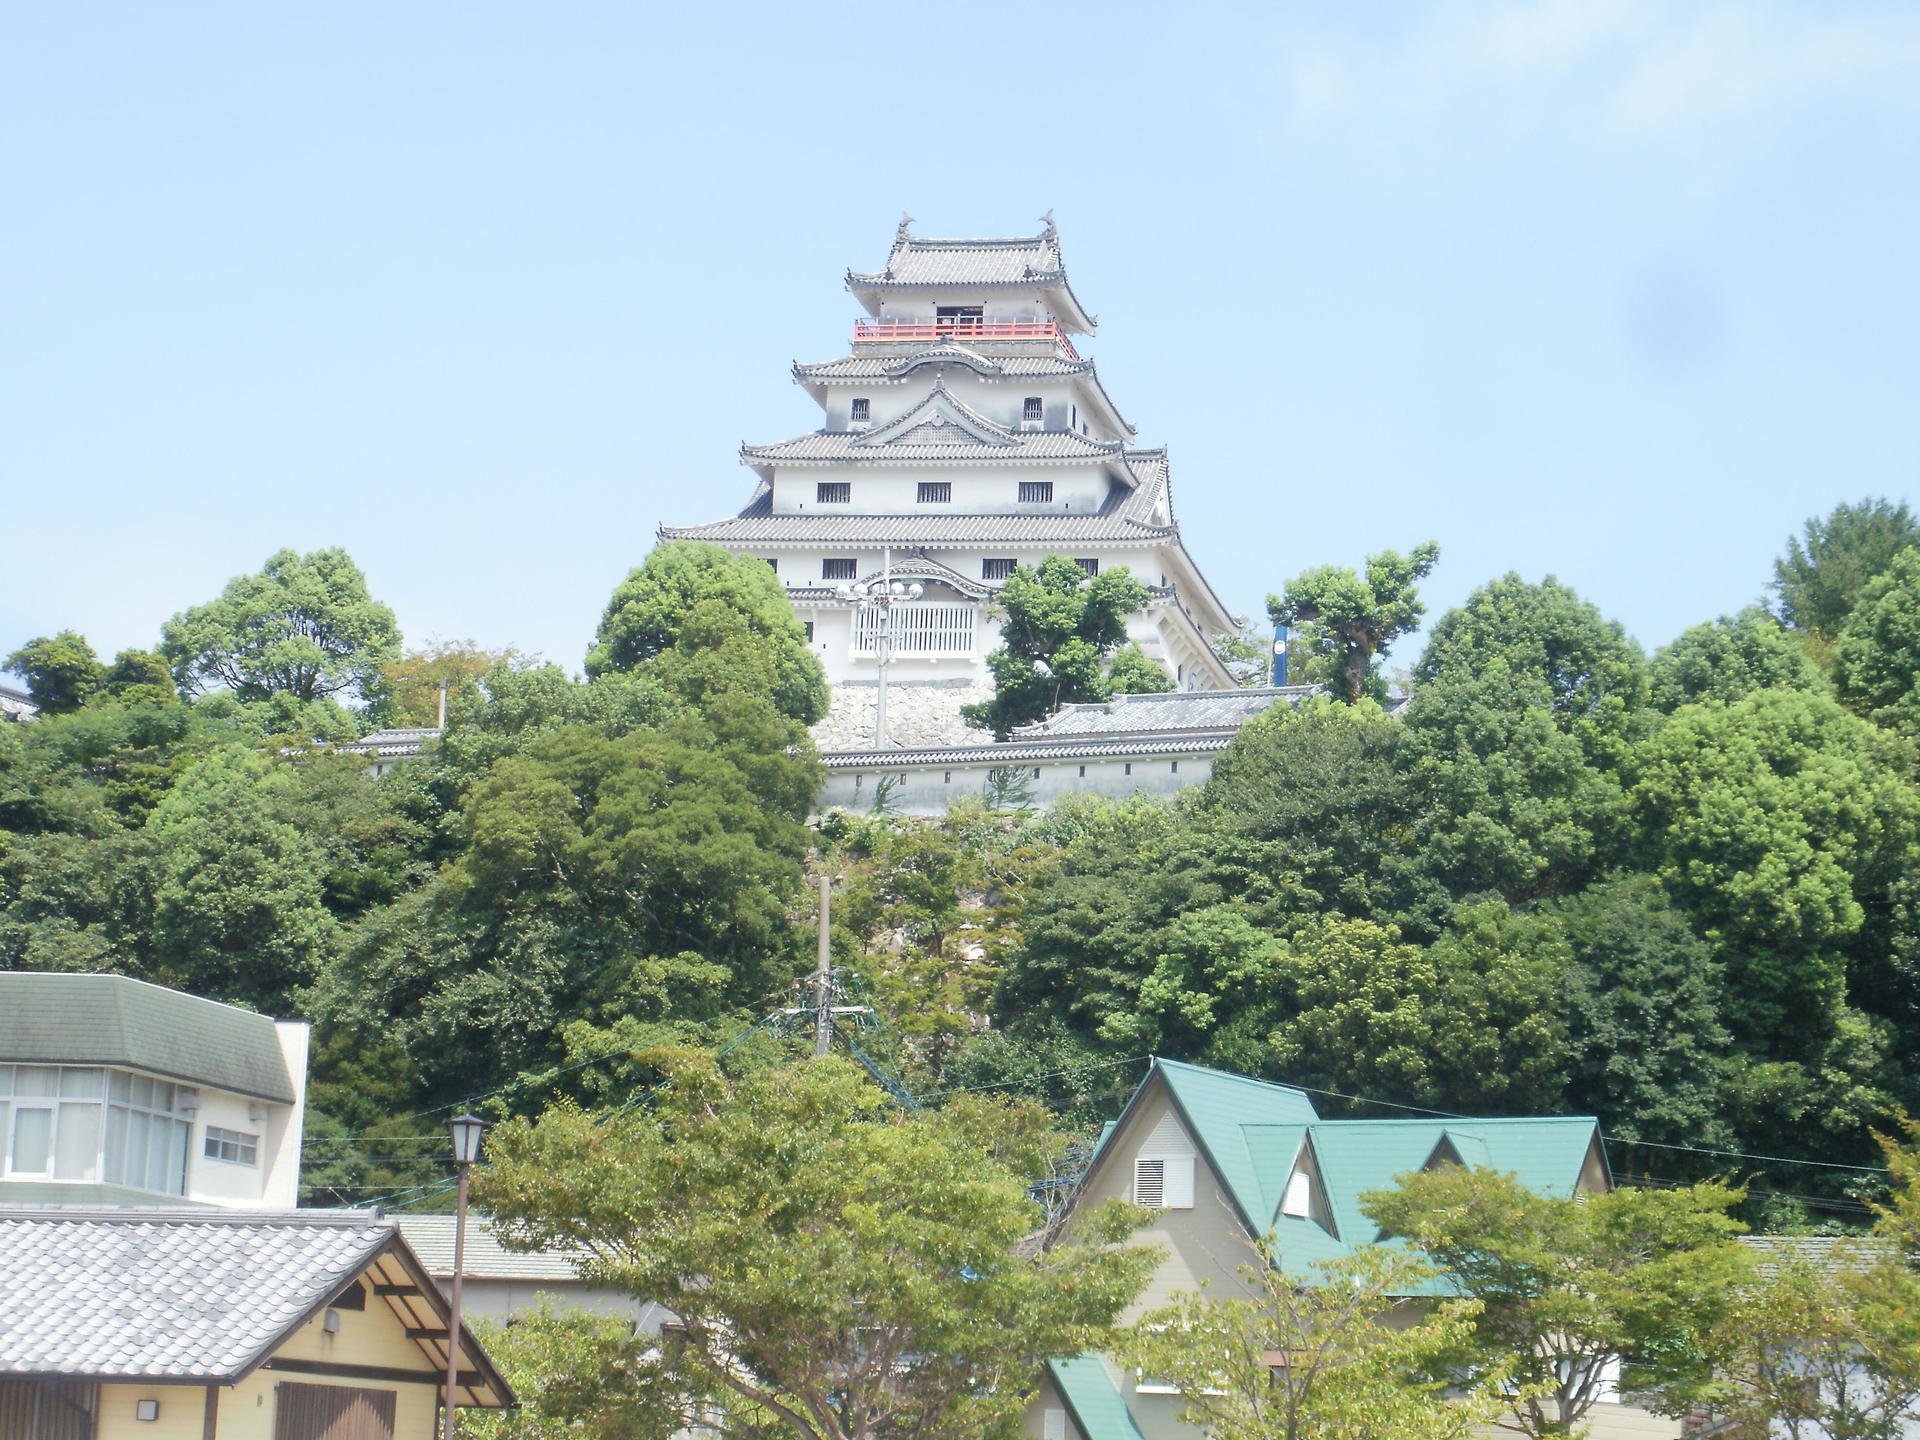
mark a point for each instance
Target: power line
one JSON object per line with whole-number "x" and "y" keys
{"x": 1747, "y": 1155}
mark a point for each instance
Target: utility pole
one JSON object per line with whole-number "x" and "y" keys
{"x": 823, "y": 981}
{"x": 442, "y": 721}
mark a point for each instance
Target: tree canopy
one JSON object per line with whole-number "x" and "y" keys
{"x": 914, "y": 1314}
{"x": 1350, "y": 619}
{"x": 1827, "y": 566}
{"x": 304, "y": 627}
{"x": 1061, "y": 627}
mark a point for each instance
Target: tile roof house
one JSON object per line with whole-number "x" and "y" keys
{"x": 299, "y": 1325}
{"x": 1224, "y": 1159}
{"x": 117, "y": 1092}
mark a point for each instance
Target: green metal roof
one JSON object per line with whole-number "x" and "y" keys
{"x": 1252, "y": 1132}
{"x": 112, "y": 1020}
{"x": 1097, "y": 1405}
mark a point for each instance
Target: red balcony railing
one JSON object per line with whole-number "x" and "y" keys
{"x": 963, "y": 329}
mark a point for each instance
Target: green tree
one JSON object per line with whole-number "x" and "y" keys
{"x": 1513, "y": 802}
{"x": 1324, "y": 1356}
{"x": 1571, "y": 1287}
{"x": 1246, "y": 654}
{"x": 304, "y": 627}
{"x": 1061, "y": 626}
{"x": 1876, "y": 660}
{"x": 578, "y": 1376}
{"x": 1592, "y": 673}
{"x": 409, "y": 690}
{"x": 838, "y": 1270}
{"x": 649, "y": 614}
{"x": 1826, "y": 1347}
{"x": 61, "y": 671}
{"x": 1729, "y": 660}
{"x": 646, "y": 874}
{"x": 1352, "y": 619}
{"x": 1471, "y": 1021}
{"x": 139, "y": 671}
{"x": 238, "y": 910}
{"x": 1316, "y": 804}
{"x": 1133, "y": 672}
{"x": 1778, "y": 822}
{"x": 1827, "y": 566}
{"x": 1643, "y": 1015}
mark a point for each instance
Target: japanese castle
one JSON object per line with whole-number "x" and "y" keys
{"x": 964, "y": 435}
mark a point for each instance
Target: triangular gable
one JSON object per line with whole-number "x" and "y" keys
{"x": 939, "y": 414}
{"x": 1305, "y": 1194}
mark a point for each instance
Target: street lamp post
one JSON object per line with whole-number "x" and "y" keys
{"x": 878, "y": 598}
{"x": 467, "y": 1130}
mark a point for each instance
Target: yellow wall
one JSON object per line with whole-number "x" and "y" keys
{"x": 373, "y": 1336}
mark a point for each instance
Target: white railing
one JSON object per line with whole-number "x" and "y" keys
{"x": 922, "y": 630}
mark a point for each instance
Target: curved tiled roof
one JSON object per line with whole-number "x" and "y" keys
{"x": 1130, "y": 517}
{"x": 929, "y": 441}
{"x": 1013, "y": 752}
{"x": 1172, "y": 710}
{"x": 991, "y": 367}
{"x": 1022, "y": 261}
{"x": 178, "y": 1295}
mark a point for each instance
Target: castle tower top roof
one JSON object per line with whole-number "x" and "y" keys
{"x": 1022, "y": 262}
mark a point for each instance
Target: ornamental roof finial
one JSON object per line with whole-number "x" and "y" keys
{"x": 901, "y": 234}
{"x": 1047, "y": 220}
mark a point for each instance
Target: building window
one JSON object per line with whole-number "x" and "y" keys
{"x": 1173, "y": 766}
{"x": 861, "y": 412}
{"x": 234, "y": 1146}
{"x": 833, "y": 492}
{"x": 1083, "y": 772}
{"x": 946, "y": 777}
{"x": 961, "y": 313}
{"x": 1092, "y": 567}
{"x": 1036, "y": 492}
{"x": 808, "y": 626}
{"x": 995, "y": 569}
{"x": 1129, "y": 769}
{"x": 936, "y": 492}
{"x": 772, "y": 564}
{"x": 79, "y": 1122}
{"x": 1036, "y": 772}
{"x": 1032, "y": 409}
{"x": 838, "y": 569}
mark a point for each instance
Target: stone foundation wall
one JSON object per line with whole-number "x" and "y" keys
{"x": 919, "y": 713}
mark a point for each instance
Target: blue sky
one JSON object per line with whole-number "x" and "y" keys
{"x": 1620, "y": 290}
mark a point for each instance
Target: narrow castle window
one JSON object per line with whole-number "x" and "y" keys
{"x": 1031, "y": 408}
{"x": 995, "y": 569}
{"x": 833, "y": 492}
{"x": 936, "y": 492}
{"x": 861, "y": 412}
{"x": 772, "y": 563}
{"x": 1092, "y": 567}
{"x": 838, "y": 570}
{"x": 1036, "y": 492}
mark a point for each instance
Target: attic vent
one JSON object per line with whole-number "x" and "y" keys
{"x": 1164, "y": 1182}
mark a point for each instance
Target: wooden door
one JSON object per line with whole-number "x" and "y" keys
{"x": 332, "y": 1412}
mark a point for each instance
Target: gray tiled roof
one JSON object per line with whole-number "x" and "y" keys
{"x": 389, "y": 744}
{"x": 945, "y": 444}
{"x": 915, "y": 261}
{"x": 1174, "y": 710}
{"x": 1021, "y": 261}
{"x": 112, "y": 1020}
{"x": 883, "y": 367}
{"x": 431, "y": 1237}
{"x": 167, "y": 1294}
{"x": 1092, "y": 747}
{"x": 1130, "y": 517}
{"x": 16, "y": 704}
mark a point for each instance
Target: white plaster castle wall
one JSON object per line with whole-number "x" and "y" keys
{"x": 930, "y": 790}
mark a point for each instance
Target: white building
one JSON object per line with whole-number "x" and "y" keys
{"x": 963, "y": 436}
{"x": 116, "y": 1092}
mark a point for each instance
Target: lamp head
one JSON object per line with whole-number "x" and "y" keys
{"x": 467, "y": 1130}
{"x": 915, "y": 591}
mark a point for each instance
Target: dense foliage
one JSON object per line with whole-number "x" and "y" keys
{"x": 1681, "y": 892}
